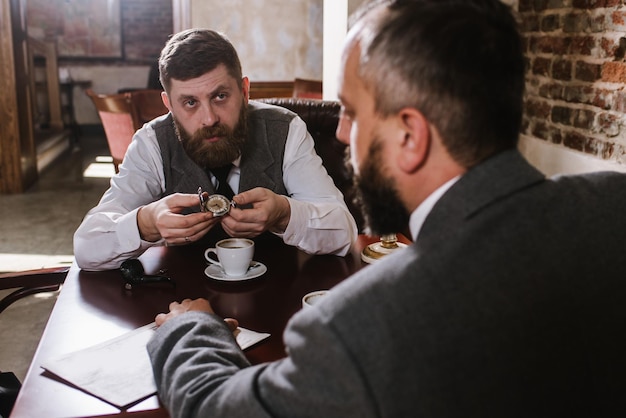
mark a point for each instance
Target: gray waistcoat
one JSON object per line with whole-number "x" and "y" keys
{"x": 262, "y": 157}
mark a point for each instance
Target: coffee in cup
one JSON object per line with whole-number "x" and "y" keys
{"x": 233, "y": 255}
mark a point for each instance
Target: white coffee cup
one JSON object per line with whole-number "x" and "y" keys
{"x": 311, "y": 299}
{"x": 234, "y": 255}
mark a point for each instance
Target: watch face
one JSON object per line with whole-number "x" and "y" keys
{"x": 217, "y": 204}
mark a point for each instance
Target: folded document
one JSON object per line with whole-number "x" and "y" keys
{"x": 119, "y": 371}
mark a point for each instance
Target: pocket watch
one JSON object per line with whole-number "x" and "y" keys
{"x": 217, "y": 204}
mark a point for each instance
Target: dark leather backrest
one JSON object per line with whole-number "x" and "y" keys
{"x": 321, "y": 118}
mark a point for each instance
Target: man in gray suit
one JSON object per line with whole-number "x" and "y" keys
{"x": 510, "y": 302}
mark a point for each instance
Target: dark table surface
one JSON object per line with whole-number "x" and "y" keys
{"x": 94, "y": 307}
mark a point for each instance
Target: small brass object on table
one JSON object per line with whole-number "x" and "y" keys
{"x": 387, "y": 244}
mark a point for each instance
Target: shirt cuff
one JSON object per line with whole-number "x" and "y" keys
{"x": 298, "y": 222}
{"x": 128, "y": 234}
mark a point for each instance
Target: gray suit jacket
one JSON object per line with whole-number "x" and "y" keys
{"x": 510, "y": 303}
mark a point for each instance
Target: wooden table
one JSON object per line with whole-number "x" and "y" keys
{"x": 93, "y": 307}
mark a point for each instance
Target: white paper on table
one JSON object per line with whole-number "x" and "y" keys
{"x": 119, "y": 371}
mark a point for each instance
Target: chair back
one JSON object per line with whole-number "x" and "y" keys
{"x": 322, "y": 118}
{"x": 30, "y": 282}
{"x": 148, "y": 105}
{"x": 119, "y": 119}
{"x": 307, "y": 89}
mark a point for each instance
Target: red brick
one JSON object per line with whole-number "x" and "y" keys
{"x": 541, "y": 66}
{"x": 581, "y": 45}
{"x": 562, "y": 69}
{"x": 576, "y": 22}
{"x": 551, "y": 91}
{"x": 597, "y": 23}
{"x": 550, "y": 44}
{"x": 609, "y": 47}
{"x": 555, "y": 135}
{"x": 586, "y": 71}
{"x": 608, "y": 124}
{"x": 550, "y": 23}
{"x": 614, "y": 72}
{"x": 577, "y": 94}
{"x": 604, "y": 99}
{"x": 584, "y": 118}
{"x": 538, "y": 109}
{"x": 574, "y": 140}
{"x": 618, "y": 18}
{"x": 597, "y": 147}
{"x": 561, "y": 114}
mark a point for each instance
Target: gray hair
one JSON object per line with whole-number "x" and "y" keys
{"x": 459, "y": 62}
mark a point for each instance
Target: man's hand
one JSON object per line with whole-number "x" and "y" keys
{"x": 163, "y": 219}
{"x": 201, "y": 305}
{"x": 269, "y": 212}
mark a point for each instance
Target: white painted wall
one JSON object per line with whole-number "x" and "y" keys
{"x": 277, "y": 40}
{"x": 336, "y": 18}
{"x": 335, "y": 27}
{"x": 553, "y": 159}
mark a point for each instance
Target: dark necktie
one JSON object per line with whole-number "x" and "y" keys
{"x": 221, "y": 173}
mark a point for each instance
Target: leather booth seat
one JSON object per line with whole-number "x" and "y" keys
{"x": 322, "y": 118}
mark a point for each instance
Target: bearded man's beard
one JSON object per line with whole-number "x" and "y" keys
{"x": 215, "y": 154}
{"x": 377, "y": 197}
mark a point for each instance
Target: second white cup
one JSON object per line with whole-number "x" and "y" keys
{"x": 234, "y": 255}
{"x": 311, "y": 299}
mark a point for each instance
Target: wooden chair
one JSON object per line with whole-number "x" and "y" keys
{"x": 26, "y": 283}
{"x": 122, "y": 114}
{"x": 148, "y": 105}
{"x": 307, "y": 89}
{"x": 265, "y": 89}
{"x": 119, "y": 119}
{"x": 30, "y": 282}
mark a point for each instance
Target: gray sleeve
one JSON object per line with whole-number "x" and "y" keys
{"x": 200, "y": 371}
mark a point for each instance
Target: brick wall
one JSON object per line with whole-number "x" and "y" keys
{"x": 576, "y": 71}
{"x": 146, "y": 26}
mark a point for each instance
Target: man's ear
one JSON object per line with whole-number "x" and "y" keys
{"x": 416, "y": 141}
{"x": 245, "y": 88}
{"x": 166, "y": 100}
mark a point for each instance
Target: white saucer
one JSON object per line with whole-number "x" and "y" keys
{"x": 216, "y": 272}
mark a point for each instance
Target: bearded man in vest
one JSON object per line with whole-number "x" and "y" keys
{"x": 278, "y": 183}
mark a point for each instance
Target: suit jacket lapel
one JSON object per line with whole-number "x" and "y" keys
{"x": 496, "y": 178}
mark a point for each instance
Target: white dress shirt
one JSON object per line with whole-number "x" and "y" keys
{"x": 320, "y": 221}
{"x": 418, "y": 217}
